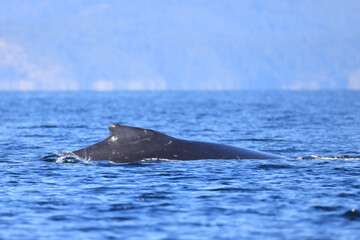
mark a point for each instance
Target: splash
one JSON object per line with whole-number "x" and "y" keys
{"x": 344, "y": 157}
{"x": 64, "y": 157}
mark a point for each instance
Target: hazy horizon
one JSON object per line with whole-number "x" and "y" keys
{"x": 179, "y": 45}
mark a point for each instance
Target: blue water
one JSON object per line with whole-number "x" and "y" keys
{"x": 315, "y": 194}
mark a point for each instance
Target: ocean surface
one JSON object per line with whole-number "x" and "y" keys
{"x": 314, "y": 194}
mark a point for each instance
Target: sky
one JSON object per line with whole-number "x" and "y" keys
{"x": 179, "y": 45}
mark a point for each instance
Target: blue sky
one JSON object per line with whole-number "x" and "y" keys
{"x": 179, "y": 45}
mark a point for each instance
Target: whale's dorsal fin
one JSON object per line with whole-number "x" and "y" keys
{"x": 126, "y": 132}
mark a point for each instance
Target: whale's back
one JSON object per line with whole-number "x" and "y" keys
{"x": 132, "y": 144}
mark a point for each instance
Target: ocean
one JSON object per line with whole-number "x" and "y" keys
{"x": 313, "y": 194}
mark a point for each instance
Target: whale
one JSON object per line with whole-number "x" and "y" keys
{"x": 127, "y": 144}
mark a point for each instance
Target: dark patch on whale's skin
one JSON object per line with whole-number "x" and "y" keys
{"x": 131, "y": 144}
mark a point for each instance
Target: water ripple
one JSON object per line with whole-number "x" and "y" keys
{"x": 50, "y": 194}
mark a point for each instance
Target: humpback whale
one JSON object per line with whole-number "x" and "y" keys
{"x": 131, "y": 144}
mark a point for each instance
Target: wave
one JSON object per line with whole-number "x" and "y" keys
{"x": 69, "y": 157}
{"x": 315, "y": 157}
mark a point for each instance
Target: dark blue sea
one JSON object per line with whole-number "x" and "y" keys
{"x": 314, "y": 194}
